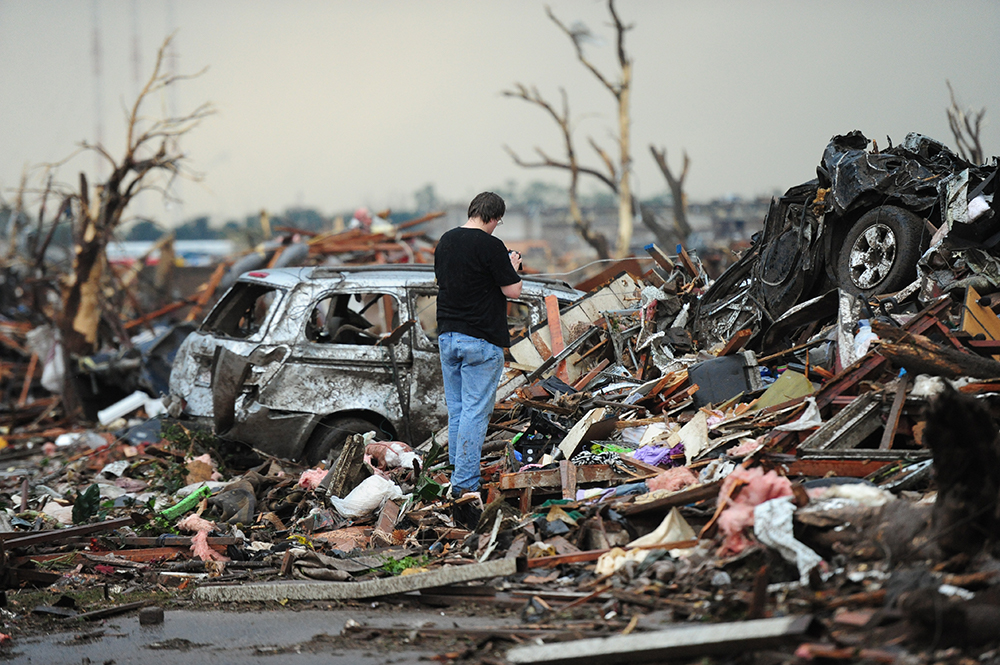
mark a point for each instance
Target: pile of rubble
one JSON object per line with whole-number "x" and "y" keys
{"x": 819, "y": 484}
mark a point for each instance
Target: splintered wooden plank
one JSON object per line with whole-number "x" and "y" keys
{"x": 897, "y": 407}
{"x": 590, "y": 473}
{"x": 567, "y": 477}
{"x": 691, "y": 494}
{"x": 14, "y": 539}
{"x": 684, "y": 642}
{"x": 736, "y": 342}
{"x": 849, "y": 427}
{"x": 299, "y": 590}
{"x": 841, "y": 468}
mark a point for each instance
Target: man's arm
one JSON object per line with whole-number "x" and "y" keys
{"x": 512, "y": 291}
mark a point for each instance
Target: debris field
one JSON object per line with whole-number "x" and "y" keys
{"x": 798, "y": 461}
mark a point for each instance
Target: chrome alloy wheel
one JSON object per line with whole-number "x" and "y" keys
{"x": 872, "y": 256}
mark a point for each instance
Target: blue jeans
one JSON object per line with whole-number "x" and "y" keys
{"x": 471, "y": 368}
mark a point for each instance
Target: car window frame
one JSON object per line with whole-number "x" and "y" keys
{"x": 402, "y": 311}
{"x": 281, "y": 296}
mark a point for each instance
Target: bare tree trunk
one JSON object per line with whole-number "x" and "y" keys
{"x": 664, "y": 238}
{"x": 81, "y": 310}
{"x": 80, "y": 317}
{"x": 625, "y": 215}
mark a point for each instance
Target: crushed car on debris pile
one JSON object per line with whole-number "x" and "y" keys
{"x": 293, "y": 361}
{"x": 862, "y": 225}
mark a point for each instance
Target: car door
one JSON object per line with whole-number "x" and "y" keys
{"x": 428, "y": 387}
{"x": 339, "y": 361}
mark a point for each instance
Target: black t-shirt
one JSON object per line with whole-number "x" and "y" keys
{"x": 471, "y": 266}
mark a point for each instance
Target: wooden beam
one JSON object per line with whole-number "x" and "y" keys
{"x": 567, "y": 477}
{"x": 688, "y": 642}
{"x": 524, "y": 502}
{"x": 555, "y": 334}
{"x": 14, "y": 539}
{"x": 420, "y": 220}
{"x": 584, "y": 381}
{"x": 892, "y": 422}
{"x": 588, "y": 473}
{"x": 737, "y": 342}
{"x": 629, "y": 265}
{"x": 918, "y": 354}
{"x": 163, "y": 311}
{"x": 208, "y": 291}
{"x": 846, "y": 468}
{"x": 687, "y": 262}
{"x": 28, "y": 376}
{"x": 298, "y": 590}
{"x": 683, "y": 497}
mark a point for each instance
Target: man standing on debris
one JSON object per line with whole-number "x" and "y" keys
{"x": 475, "y": 275}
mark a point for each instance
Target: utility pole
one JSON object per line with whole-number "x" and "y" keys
{"x": 176, "y": 207}
{"x": 98, "y": 73}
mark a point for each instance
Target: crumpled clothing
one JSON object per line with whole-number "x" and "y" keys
{"x": 236, "y": 503}
{"x": 316, "y": 566}
{"x": 367, "y": 497}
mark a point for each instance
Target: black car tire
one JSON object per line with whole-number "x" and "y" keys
{"x": 330, "y": 436}
{"x": 880, "y": 252}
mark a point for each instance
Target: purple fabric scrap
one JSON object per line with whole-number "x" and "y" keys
{"x": 661, "y": 455}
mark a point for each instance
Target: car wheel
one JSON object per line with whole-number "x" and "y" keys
{"x": 880, "y": 252}
{"x": 329, "y": 438}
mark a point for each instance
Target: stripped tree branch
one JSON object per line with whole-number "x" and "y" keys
{"x": 965, "y": 127}
{"x": 676, "y": 184}
{"x": 583, "y": 226}
{"x": 149, "y": 151}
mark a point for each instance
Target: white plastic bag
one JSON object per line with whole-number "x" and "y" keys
{"x": 772, "y": 524}
{"x": 367, "y": 497}
{"x": 863, "y": 340}
{"x": 809, "y": 419}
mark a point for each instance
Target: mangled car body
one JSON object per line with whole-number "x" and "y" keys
{"x": 292, "y": 361}
{"x": 860, "y": 226}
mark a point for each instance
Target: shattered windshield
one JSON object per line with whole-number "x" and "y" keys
{"x": 243, "y": 311}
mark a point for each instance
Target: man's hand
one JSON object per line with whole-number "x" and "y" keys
{"x": 515, "y": 259}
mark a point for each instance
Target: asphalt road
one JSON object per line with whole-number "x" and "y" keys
{"x": 190, "y": 637}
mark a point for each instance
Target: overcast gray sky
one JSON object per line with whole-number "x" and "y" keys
{"x": 337, "y": 104}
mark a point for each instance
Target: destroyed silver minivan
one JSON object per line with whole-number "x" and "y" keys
{"x": 292, "y": 361}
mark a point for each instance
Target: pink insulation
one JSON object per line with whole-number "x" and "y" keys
{"x": 672, "y": 480}
{"x": 199, "y": 542}
{"x": 738, "y": 515}
{"x": 311, "y": 478}
{"x": 390, "y": 454}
